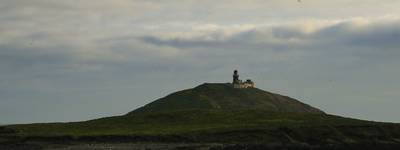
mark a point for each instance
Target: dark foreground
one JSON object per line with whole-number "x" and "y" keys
{"x": 206, "y": 130}
{"x": 194, "y": 146}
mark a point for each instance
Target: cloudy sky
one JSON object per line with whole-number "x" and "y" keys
{"x": 76, "y": 60}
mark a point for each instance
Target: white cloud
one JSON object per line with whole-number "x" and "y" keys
{"x": 363, "y": 32}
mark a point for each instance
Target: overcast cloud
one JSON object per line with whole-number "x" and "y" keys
{"x": 77, "y": 60}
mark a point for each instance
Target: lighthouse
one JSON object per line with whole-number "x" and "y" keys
{"x": 235, "y": 77}
{"x": 239, "y": 84}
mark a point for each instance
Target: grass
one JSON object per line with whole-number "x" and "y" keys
{"x": 184, "y": 122}
{"x": 215, "y": 126}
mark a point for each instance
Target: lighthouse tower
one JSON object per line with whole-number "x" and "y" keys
{"x": 238, "y": 84}
{"x": 236, "y": 77}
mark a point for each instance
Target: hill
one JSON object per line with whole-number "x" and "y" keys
{"x": 225, "y": 97}
{"x": 213, "y": 113}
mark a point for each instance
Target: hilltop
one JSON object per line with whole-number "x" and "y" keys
{"x": 224, "y": 96}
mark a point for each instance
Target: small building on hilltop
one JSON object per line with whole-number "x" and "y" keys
{"x": 239, "y": 84}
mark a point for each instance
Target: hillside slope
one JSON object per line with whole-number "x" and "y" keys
{"x": 224, "y": 96}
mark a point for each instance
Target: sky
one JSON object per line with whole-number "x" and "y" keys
{"x": 74, "y": 60}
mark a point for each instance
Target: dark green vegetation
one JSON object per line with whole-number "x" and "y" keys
{"x": 223, "y": 96}
{"x": 183, "y": 122}
{"x": 217, "y": 113}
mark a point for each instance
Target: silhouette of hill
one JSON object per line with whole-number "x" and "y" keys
{"x": 225, "y": 97}
{"x": 214, "y": 113}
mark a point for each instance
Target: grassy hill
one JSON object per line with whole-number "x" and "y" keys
{"x": 215, "y": 113}
{"x": 224, "y": 96}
